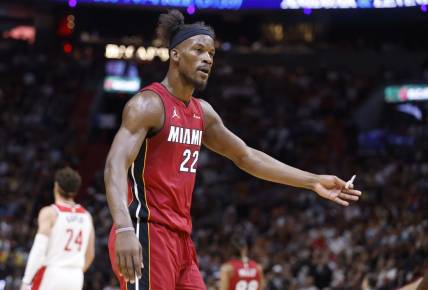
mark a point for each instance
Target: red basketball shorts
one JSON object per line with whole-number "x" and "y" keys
{"x": 169, "y": 258}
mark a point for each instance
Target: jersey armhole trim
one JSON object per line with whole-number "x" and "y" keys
{"x": 57, "y": 210}
{"x": 152, "y": 133}
{"x": 198, "y": 101}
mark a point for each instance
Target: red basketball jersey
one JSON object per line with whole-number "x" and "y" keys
{"x": 245, "y": 276}
{"x": 162, "y": 176}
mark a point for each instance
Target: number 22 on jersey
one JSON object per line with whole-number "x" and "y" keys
{"x": 245, "y": 285}
{"x": 186, "y": 165}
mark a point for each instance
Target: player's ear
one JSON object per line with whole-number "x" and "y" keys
{"x": 174, "y": 55}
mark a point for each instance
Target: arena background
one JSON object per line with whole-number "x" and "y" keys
{"x": 339, "y": 90}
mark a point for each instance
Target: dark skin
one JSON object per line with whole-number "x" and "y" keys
{"x": 189, "y": 68}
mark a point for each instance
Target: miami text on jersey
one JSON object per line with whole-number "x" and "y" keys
{"x": 185, "y": 136}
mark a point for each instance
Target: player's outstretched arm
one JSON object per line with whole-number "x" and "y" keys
{"x": 46, "y": 220}
{"x": 142, "y": 113}
{"x": 219, "y": 139}
{"x": 90, "y": 250}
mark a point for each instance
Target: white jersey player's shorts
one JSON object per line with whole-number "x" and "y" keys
{"x": 61, "y": 278}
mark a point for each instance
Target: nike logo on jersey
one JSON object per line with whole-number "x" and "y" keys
{"x": 196, "y": 116}
{"x": 185, "y": 136}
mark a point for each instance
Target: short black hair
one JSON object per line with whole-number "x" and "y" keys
{"x": 69, "y": 181}
{"x": 170, "y": 23}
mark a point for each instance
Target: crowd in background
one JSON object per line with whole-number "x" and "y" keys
{"x": 304, "y": 118}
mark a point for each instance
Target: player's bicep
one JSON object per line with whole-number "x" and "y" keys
{"x": 90, "y": 250}
{"x": 91, "y": 242}
{"x": 140, "y": 114}
{"x": 46, "y": 220}
{"x": 221, "y": 140}
{"x": 126, "y": 144}
{"x": 225, "y": 272}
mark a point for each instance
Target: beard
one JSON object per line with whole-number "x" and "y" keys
{"x": 199, "y": 85}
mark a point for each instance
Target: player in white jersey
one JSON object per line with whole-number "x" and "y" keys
{"x": 63, "y": 248}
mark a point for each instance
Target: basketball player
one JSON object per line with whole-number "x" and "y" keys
{"x": 64, "y": 244}
{"x": 151, "y": 167}
{"x": 241, "y": 273}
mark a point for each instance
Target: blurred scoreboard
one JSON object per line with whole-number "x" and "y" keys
{"x": 121, "y": 77}
{"x": 406, "y": 93}
{"x": 262, "y": 4}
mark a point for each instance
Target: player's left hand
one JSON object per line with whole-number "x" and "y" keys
{"x": 335, "y": 189}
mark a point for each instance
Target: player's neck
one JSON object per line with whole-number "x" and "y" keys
{"x": 244, "y": 254}
{"x": 64, "y": 201}
{"x": 178, "y": 87}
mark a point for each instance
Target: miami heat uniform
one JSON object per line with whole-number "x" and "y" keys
{"x": 161, "y": 182}
{"x": 65, "y": 257}
{"x": 245, "y": 275}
